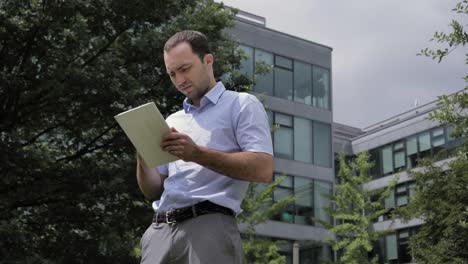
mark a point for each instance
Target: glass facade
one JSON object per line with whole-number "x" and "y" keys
{"x": 301, "y": 139}
{"x": 289, "y": 79}
{"x": 247, "y": 64}
{"x": 309, "y": 252}
{"x": 393, "y": 248}
{"x": 321, "y": 90}
{"x": 310, "y": 200}
{"x": 296, "y": 138}
{"x": 400, "y": 196}
{"x": 404, "y": 154}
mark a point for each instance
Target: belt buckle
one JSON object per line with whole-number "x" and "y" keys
{"x": 167, "y": 217}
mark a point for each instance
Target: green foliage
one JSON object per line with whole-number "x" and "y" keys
{"x": 68, "y": 192}
{"x": 441, "y": 199}
{"x": 262, "y": 251}
{"x": 441, "y": 195}
{"x": 354, "y": 210}
{"x": 258, "y": 207}
{"x": 458, "y": 37}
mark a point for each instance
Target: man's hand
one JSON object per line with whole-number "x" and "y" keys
{"x": 247, "y": 166}
{"x": 179, "y": 145}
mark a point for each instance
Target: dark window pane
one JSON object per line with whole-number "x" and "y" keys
{"x": 283, "y": 143}
{"x": 322, "y": 144}
{"x": 424, "y": 140}
{"x": 411, "y": 151}
{"x": 284, "y": 120}
{"x": 320, "y": 190}
{"x": 438, "y": 137}
{"x": 303, "y": 140}
{"x": 270, "y": 117}
{"x": 304, "y": 204}
{"x": 247, "y": 63}
{"x": 403, "y": 248}
{"x": 399, "y": 157}
{"x": 321, "y": 87}
{"x": 283, "y": 62}
{"x": 302, "y": 82}
{"x": 283, "y": 83}
{"x": 375, "y": 158}
{"x": 264, "y": 83}
{"x": 287, "y": 214}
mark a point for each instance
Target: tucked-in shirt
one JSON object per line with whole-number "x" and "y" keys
{"x": 226, "y": 121}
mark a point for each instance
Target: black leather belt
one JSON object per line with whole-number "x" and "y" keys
{"x": 178, "y": 215}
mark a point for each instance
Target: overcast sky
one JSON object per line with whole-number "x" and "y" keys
{"x": 376, "y": 73}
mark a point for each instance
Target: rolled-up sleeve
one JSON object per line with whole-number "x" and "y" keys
{"x": 163, "y": 169}
{"x": 253, "y": 130}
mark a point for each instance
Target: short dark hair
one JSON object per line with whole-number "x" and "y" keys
{"x": 197, "y": 41}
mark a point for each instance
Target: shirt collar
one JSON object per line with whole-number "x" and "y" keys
{"x": 212, "y": 96}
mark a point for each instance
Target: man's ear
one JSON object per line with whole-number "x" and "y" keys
{"x": 209, "y": 59}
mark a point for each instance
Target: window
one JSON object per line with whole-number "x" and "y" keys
{"x": 302, "y": 82}
{"x": 396, "y": 247}
{"x": 411, "y": 151}
{"x": 264, "y": 83}
{"x": 399, "y": 155}
{"x": 304, "y": 204}
{"x": 391, "y": 248}
{"x": 309, "y": 201}
{"x": 313, "y": 252}
{"x": 288, "y": 79}
{"x": 403, "y": 248}
{"x": 283, "y": 137}
{"x": 285, "y": 248}
{"x": 375, "y": 158}
{"x": 438, "y": 142}
{"x": 396, "y": 156}
{"x": 387, "y": 159}
{"x": 321, "y": 87}
{"x": 283, "y": 83}
{"x": 247, "y": 66}
{"x": 283, "y": 190}
{"x": 322, "y": 144}
{"x": 302, "y": 140}
{"x": 424, "y": 142}
{"x": 321, "y": 189}
{"x": 403, "y": 193}
{"x": 283, "y": 62}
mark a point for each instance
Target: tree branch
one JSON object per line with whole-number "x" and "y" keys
{"x": 86, "y": 148}
{"x": 103, "y": 49}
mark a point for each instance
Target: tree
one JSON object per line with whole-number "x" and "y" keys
{"x": 355, "y": 208}
{"x": 68, "y": 193}
{"x": 257, "y": 208}
{"x": 452, "y": 109}
{"x": 441, "y": 194}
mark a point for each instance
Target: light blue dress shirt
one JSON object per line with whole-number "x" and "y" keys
{"x": 226, "y": 121}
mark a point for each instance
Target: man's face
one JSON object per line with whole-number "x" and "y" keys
{"x": 189, "y": 74}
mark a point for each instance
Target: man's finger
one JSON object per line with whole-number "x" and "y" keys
{"x": 171, "y": 135}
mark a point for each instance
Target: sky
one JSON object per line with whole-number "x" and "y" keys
{"x": 375, "y": 71}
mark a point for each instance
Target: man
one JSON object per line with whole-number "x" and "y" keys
{"x": 223, "y": 141}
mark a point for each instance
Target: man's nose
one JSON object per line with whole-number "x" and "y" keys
{"x": 180, "y": 80}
